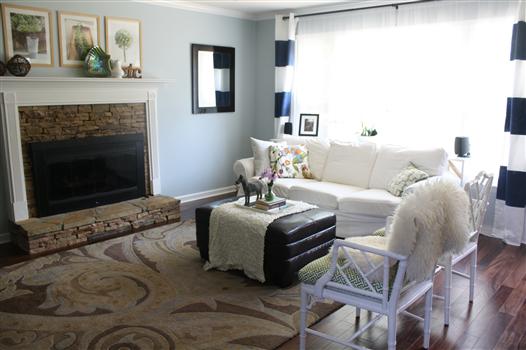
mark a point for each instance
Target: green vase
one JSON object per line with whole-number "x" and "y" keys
{"x": 269, "y": 196}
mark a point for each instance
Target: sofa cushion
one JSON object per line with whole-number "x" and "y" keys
{"x": 372, "y": 202}
{"x": 323, "y": 194}
{"x": 392, "y": 159}
{"x": 404, "y": 179}
{"x": 318, "y": 151}
{"x": 290, "y": 161}
{"x": 261, "y": 152}
{"x": 350, "y": 163}
{"x": 282, "y": 187}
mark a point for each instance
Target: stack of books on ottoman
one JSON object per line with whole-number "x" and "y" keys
{"x": 274, "y": 204}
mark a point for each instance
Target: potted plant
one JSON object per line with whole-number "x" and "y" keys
{"x": 368, "y": 131}
{"x": 123, "y": 39}
{"x": 30, "y": 26}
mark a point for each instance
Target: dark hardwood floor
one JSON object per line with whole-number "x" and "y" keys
{"x": 496, "y": 319}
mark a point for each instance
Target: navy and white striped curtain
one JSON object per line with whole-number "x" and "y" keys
{"x": 222, "y": 66}
{"x": 284, "y": 72}
{"x": 510, "y": 205}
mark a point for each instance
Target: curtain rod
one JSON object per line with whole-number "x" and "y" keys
{"x": 359, "y": 8}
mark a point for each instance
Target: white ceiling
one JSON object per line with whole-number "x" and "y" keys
{"x": 257, "y": 7}
{"x": 253, "y": 9}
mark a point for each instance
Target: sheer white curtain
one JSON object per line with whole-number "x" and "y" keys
{"x": 420, "y": 74}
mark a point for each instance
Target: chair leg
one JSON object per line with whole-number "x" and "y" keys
{"x": 391, "y": 331}
{"x": 358, "y": 310}
{"x": 447, "y": 291}
{"x": 303, "y": 319}
{"x": 472, "y": 275}
{"x": 427, "y": 317}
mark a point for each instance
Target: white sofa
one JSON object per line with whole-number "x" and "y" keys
{"x": 351, "y": 179}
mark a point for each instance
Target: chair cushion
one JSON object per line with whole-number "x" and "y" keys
{"x": 313, "y": 271}
{"x": 323, "y": 194}
{"x": 282, "y": 187}
{"x": 393, "y": 159}
{"x": 317, "y": 268}
{"x": 350, "y": 163}
{"x": 371, "y": 202}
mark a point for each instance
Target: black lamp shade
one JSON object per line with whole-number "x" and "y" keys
{"x": 462, "y": 146}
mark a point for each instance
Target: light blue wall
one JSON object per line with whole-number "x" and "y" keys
{"x": 265, "y": 80}
{"x": 197, "y": 151}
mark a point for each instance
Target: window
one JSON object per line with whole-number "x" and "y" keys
{"x": 420, "y": 75}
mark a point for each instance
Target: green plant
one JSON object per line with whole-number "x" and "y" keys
{"x": 81, "y": 43}
{"x": 366, "y": 131}
{"x": 123, "y": 39}
{"x": 27, "y": 23}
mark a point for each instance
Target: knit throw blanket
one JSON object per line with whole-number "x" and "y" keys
{"x": 237, "y": 237}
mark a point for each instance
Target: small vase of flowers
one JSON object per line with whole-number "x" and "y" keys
{"x": 268, "y": 176}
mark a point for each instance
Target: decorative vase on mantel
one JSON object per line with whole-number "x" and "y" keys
{"x": 116, "y": 69}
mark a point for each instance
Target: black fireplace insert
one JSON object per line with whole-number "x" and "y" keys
{"x": 84, "y": 173}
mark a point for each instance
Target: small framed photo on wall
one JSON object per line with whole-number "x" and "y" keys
{"x": 124, "y": 40}
{"x": 77, "y": 34}
{"x": 309, "y": 124}
{"x": 28, "y": 33}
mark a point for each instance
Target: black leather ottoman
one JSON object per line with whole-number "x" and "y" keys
{"x": 291, "y": 242}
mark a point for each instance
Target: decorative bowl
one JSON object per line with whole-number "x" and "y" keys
{"x": 19, "y": 66}
{"x": 97, "y": 63}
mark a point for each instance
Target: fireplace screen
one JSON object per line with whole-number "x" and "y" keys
{"x": 84, "y": 173}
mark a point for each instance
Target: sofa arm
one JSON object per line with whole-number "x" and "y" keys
{"x": 244, "y": 167}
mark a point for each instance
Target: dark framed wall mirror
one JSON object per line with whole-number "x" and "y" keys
{"x": 213, "y": 79}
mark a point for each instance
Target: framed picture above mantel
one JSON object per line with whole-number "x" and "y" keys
{"x": 309, "y": 124}
{"x": 124, "y": 40}
{"x": 77, "y": 34}
{"x": 28, "y": 32}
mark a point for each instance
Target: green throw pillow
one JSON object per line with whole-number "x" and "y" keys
{"x": 405, "y": 178}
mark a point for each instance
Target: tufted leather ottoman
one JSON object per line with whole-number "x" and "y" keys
{"x": 291, "y": 242}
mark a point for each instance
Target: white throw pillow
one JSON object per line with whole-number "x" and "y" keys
{"x": 393, "y": 159}
{"x": 350, "y": 163}
{"x": 318, "y": 151}
{"x": 261, "y": 151}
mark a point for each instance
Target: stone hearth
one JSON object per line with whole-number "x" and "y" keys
{"x": 37, "y": 235}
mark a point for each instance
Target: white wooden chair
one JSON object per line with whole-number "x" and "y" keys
{"x": 367, "y": 285}
{"x": 478, "y": 191}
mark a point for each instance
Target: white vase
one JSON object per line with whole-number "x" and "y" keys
{"x": 32, "y": 46}
{"x": 116, "y": 69}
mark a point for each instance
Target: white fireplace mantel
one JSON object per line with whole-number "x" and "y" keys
{"x": 49, "y": 91}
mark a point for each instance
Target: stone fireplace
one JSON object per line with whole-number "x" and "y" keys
{"x": 90, "y": 127}
{"x": 72, "y": 147}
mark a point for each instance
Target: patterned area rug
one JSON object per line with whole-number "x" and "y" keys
{"x": 142, "y": 291}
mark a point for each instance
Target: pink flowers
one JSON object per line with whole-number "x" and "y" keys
{"x": 268, "y": 176}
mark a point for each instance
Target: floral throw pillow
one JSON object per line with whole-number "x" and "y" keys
{"x": 405, "y": 178}
{"x": 290, "y": 161}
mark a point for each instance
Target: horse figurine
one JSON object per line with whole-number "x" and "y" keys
{"x": 249, "y": 187}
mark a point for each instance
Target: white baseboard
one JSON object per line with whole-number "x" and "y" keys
{"x": 5, "y": 237}
{"x": 206, "y": 194}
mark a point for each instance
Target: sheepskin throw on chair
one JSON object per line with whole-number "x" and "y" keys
{"x": 432, "y": 221}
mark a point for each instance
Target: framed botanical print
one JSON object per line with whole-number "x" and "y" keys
{"x": 124, "y": 40}
{"x": 309, "y": 124}
{"x": 77, "y": 34}
{"x": 28, "y": 32}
